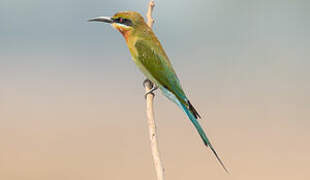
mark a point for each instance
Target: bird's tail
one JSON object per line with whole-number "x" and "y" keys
{"x": 202, "y": 133}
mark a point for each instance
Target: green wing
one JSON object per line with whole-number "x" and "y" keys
{"x": 158, "y": 65}
{"x": 156, "y": 62}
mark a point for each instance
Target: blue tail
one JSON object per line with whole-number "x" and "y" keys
{"x": 202, "y": 133}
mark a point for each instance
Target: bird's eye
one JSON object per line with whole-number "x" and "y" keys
{"x": 123, "y": 21}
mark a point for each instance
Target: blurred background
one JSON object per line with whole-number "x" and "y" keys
{"x": 72, "y": 102}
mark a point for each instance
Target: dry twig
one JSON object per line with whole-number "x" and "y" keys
{"x": 149, "y": 110}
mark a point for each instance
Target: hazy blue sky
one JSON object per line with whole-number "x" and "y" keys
{"x": 63, "y": 81}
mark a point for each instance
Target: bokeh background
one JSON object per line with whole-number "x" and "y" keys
{"x": 72, "y": 105}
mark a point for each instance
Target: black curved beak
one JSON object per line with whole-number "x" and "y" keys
{"x": 102, "y": 19}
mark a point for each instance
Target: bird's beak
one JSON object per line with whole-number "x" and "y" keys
{"x": 102, "y": 19}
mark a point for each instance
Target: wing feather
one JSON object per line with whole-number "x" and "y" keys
{"x": 160, "y": 68}
{"x": 156, "y": 62}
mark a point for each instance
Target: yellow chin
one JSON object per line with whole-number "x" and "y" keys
{"x": 121, "y": 27}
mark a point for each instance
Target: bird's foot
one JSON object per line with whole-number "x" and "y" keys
{"x": 151, "y": 91}
{"x": 154, "y": 87}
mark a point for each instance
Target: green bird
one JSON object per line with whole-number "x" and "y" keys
{"x": 150, "y": 57}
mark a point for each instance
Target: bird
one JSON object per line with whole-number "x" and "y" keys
{"x": 149, "y": 55}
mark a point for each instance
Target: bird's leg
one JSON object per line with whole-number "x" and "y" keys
{"x": 151, "y": 91}
{"x": 154, "y": 87}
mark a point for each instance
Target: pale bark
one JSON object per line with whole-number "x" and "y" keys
{"x": 150, "y": 113}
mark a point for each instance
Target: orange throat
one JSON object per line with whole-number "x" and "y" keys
{"x": 124, "y": 31}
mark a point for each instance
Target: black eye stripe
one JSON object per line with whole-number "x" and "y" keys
{"x": 124, "y": 21}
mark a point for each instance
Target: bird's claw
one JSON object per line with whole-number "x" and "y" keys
{"x": 151, "y": 91}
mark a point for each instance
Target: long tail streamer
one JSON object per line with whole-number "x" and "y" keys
{"x": 202, "y": 134}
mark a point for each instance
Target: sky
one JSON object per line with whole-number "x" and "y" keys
{"x": 72, "y": 102}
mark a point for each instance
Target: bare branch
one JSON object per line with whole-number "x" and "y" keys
{"x": 149, "y": 110}
{"x": 150, "y": 20}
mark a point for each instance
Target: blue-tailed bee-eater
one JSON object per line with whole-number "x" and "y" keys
{"x": 150, "y": 57}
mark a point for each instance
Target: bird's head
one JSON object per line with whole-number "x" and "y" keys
{"x": 125, "y": 22}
